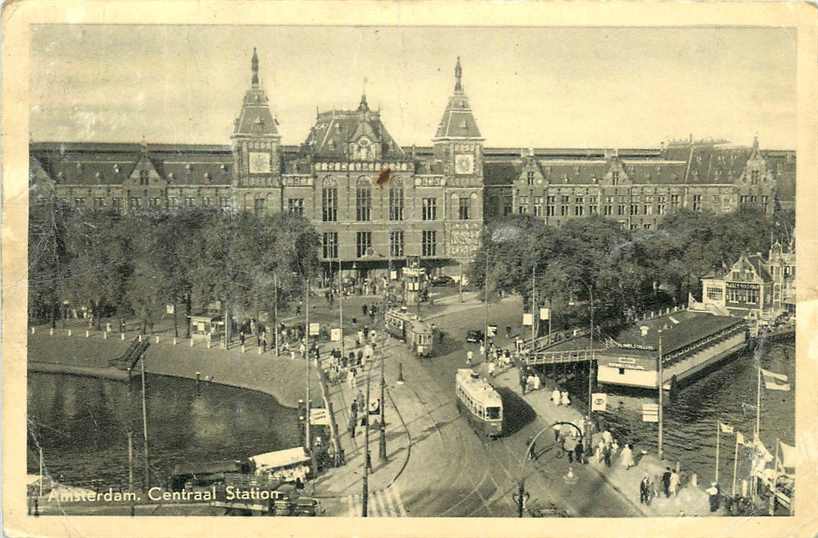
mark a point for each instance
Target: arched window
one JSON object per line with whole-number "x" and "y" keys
{"x": 329, "y": 200}
{"x": 396, "y": 200}
{"x": 363, "y": 199}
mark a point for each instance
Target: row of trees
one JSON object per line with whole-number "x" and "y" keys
{"x": 121, "y": 265}
{"x": 626, "y": 271}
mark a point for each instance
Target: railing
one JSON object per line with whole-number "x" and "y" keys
{"x": 561, "y": 357}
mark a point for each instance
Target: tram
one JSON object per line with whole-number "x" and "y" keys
{"x": 480, "y": 402}
{"x": 417, "y": 334}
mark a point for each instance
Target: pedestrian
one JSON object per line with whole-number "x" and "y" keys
{"x": 644, "y": 490}
{"x": 532, "y": 449}
{"x": 570, "y": 446}
{"x": 557, "y": 428}
{"x": 714, "y": 494}
{"x": 579, "y": 451}
{"x": 241, "y": 336}
{"x": 599, "y": 451}
{"x": 360, "y": 357}
{"x": 666, "y": 482}
{"x": 482, "y": 350}
{"x": 607, "y": 437}
{"x": 491, "y": 369}
{"x": 555, "y": 396}
{"x": 353, "y": 423}
{"x": 469, "y": 356}
{"x": 536, "y": 382}
{"x": 564, "y": 399}
{"x": 364, "y": 309}
{"x": 606, "y": 455}
{"x": 674, "y": 483}
{"x": 627, "y": 457}
{"x": 361, "y": 399}
{"x": 264, "y": 341}
{"x": 523, "y": 380}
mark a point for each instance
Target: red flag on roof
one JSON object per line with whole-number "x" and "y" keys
{"x": 384, "y": 177}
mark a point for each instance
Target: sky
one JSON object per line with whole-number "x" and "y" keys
{"x": 528, "y": 87}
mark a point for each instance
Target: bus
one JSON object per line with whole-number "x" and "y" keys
{"x": 480, "y": 402}
{"x": 417, "y": 334}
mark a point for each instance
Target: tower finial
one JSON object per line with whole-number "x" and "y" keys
{"x": 254, "y": 66}
{"x": 458, "y": 75}
{"x": 363, "y": 106}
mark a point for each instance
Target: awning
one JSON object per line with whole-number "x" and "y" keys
{"x": 280, "y": 458}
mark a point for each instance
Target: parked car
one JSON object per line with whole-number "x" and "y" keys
{"x": 307, "y": 506}
{"x": 443, "y": 280}
{"x": 474, "y": 336}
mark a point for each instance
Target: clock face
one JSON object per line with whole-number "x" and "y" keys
{"x": 259, "y": 162}
{"x": 464, "y": 163}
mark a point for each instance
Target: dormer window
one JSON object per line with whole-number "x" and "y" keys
{"x": 530, "y": 177}
{"x": 144, "y": 177}
{"x": 207, "y": 177}
{"x": 116, "y": 169}
{"x": 615, "y": 177}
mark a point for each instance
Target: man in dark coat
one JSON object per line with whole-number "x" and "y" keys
{"x": 666, "y": 481}
{"x": 644, "y": 490}
{"x": 579, "y": 452}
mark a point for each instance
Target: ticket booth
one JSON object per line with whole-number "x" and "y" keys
{"x": 207, "y": 327}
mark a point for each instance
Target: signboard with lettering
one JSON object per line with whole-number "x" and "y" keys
{"x": 335, "y": 335}
{"x": 314, "y": 329}
{"x": 650, "y": 412}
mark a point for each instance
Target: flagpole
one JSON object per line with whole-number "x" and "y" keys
{"x": 775, "y": 478}
{"x": 718, "y": 435}
{"x": 758, "y": 401}
{"x": 735, "y": 466}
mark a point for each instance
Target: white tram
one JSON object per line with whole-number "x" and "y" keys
{"x": 480, "y": 402}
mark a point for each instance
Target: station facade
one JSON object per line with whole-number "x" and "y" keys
{"x": 377, "y": 204}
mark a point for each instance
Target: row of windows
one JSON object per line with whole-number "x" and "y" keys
{"x": 156, "y": 202}
{"x": 363, "y": 244}
{"x": 491, "y": 413}
{"x": 363, "y": 205}
{"x": 747, "y": 296}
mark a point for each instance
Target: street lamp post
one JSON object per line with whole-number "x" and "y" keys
{"x": 486, "y": 300}
{"x": 590, "y": 369}
{"x": 382, "y": 440}
{"x": 661, "y": 389}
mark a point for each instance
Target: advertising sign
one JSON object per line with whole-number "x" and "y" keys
{"x": 650, "y": 412}
{"x": 599, "y": 401}
{"x": 314, "y": 329}
{"x": 335, "y": 335}
{"x": 528, "y": 319}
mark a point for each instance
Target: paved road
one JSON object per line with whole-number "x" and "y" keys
{"x": 476, "y": 476}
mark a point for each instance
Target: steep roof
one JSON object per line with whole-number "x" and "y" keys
{"x": 458, "y": 120}
{"x": 334, "y": 130}
{"x": 255, "y": 118}
{"x": 113, "y": 166}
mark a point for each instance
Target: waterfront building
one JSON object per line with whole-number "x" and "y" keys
{"x": 377, "y": 204}
{"x": 690, "y": 343}
{"x": 754, "y": 288}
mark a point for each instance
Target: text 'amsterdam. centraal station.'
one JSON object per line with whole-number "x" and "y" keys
{"x": 376, "y": 203}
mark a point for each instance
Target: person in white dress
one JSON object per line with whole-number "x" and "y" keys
{"x": 565, "y": 400}
{"x": 555, "y": 396}
{"x": 627, "y": 457}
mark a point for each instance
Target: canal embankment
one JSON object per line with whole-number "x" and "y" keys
{"x": 282, "y": 378}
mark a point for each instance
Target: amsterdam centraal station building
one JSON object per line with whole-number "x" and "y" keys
{"x": 377, "y": 204}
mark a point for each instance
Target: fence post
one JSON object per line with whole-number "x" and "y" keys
{"x": 69, "y": 332}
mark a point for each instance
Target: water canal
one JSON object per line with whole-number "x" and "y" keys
{"x": 81, "y": 424}
{"x": 725, "y": 394}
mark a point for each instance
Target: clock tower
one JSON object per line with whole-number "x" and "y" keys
{"x": 458, "y": 145}
{"x": 255, "y": 139}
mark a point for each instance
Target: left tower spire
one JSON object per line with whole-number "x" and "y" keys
{"x": 254, "y": 66}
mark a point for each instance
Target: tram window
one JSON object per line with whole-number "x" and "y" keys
{"x": 621, "y": 371}
{"x": 493, "y": 412}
